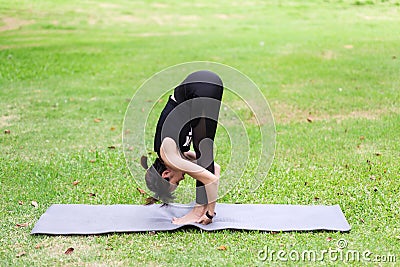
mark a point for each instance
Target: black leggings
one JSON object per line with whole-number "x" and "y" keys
{"x": 205, "y": 90}
{"x": 205, "y": 128}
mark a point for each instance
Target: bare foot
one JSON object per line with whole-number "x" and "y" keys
{"x": 193, "y": 216}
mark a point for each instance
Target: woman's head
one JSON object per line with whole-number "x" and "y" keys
{"x": 162, "y": 180}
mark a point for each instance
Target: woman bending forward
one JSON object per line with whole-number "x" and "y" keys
{"x": 189, "y": 117}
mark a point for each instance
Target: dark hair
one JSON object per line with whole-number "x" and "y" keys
{"x": 156, "y": 183}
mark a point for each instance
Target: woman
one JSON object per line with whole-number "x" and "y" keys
{"x": 190, "y": 115}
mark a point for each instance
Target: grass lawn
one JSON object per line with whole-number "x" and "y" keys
{"x": 69, "y": 68}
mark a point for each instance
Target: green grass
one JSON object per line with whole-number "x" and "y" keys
{"x": 64, "y": 64}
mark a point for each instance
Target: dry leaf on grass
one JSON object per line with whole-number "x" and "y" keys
{"x": 22, "y": 253}
{"x": 35, "y": 204}
{"x": 22, "y": 224}
{"x": 221, "y": 247}
{"x": 141, "y": 191}
{"x": 76, "y": 182}
{"x": 69, "y": 251}
{"x": 92, "y": 161}
{"x": 112, "y": 128}
{"x": 97, "y": 120}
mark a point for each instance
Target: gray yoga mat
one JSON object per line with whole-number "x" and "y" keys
{"x": 62, "y": 219}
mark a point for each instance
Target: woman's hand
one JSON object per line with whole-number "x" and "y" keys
{"x": 204, "y": 220}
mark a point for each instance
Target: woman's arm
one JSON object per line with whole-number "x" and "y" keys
{"x": 171, "y": 156}
{"x": 190, "y": 155}
{"x": 211, "y": 206}
{"x": 217, "y": 169}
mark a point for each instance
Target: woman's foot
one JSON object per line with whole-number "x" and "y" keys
{"x": 193, "y": 216}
